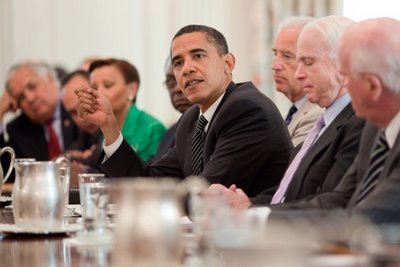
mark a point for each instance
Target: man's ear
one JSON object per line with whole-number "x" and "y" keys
{"x": 375, "y": 86}
{"x": 229, "y": 63}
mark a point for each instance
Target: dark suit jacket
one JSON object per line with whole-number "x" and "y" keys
{"x": 166, "y": 144}
{"x": 246, "y": 144}
{"x": 325, "y": 164}
{"x": 381, "y": 205}
{"x": 28, "y": 139}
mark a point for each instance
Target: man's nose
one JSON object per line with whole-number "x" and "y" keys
{"x": 276, "y": 64}
{"x": 29, "y": 95}
{"x": 189, "y": 67}
{"x": 299, "y": 74}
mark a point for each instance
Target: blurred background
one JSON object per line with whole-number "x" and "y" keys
{"x": 65, "y": 32}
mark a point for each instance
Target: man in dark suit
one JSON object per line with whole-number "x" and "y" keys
{"x": 368, "y": 56}
{"x": 240, "y": 137}
{"x": 44, "y": 129}
{"x": 321, "y": 167}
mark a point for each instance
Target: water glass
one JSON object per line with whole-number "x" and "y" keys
{"x": 65, "y": 178}
{"x": 94, "y": 201}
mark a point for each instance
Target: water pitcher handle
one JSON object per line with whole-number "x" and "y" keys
{"x": 64, "y": 165}
{"x": 8, "y": 149}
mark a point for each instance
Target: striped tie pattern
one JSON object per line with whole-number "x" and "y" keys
{"x": 376, "y": 163}
{"x": 197, "y": 146}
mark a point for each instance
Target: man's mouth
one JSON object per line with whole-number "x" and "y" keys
{"x": 192, "y": 83}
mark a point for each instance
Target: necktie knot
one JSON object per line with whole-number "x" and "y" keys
{"x": 289, "y": 116}
{"x": 201, "y": 123}
{"x": 320, "y": 123}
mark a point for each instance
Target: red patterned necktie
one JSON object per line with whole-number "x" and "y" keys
{"x": 53, "y": 145}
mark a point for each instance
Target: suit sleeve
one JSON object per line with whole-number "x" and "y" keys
{"x": 383, "y": 204}
{"x": 248, "y": 137}
{"x": 126, "y": 163}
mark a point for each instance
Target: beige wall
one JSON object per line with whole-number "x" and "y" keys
{"x": 66, "y": 31}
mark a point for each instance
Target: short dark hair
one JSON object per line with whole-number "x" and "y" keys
{"x": 128, "y": 71}
{"x": 84, "y": 74}
{"x": 212, "y": 35}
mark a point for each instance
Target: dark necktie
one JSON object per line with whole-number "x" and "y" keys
{"x": 377, "y": 160}
{"x": 53, "y": 145}
{"x": 197, "y": 146}
{"x": 289, "y": 116}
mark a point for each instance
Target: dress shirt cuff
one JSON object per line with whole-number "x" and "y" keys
{"x": 110, "y": 149}
{"x": 259, "y": 215}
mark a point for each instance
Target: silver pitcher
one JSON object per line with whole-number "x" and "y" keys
{"x": 38, "y": 196}
{"x": 3, "y": 178}
{"x": 148, "y": 224}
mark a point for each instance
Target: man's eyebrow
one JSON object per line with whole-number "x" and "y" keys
{"x": 175, "y": 58}
{"x": 197, "y": 50}
{"x": 193, "y": 51}
{"x": 288, "y": 52}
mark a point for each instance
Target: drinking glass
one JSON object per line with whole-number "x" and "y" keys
{"x": 65, "y": 178}
{"x": 94, "y": 201}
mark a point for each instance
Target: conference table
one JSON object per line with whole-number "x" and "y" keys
{"x": 63, "y": 249}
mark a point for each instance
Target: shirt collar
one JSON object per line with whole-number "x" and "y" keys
{"x": 335, "y": 108}
{"x": 299, "y": 102}
{"x": 210, "y": 111}
{"x": 392, "y": 130}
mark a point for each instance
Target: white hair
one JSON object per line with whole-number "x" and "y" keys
{"x": 331, "y": 29}
{"x": 40, "y": 68}
{"x": 379, "y": 54}
{"x": 294, "y": 21}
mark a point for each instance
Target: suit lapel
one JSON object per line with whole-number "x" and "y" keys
{"x": 331, "y": 132}
{"x": 390, "y": 163}
{"x": 322, "y": 143}
{"x": 68, "y": 128}
{"x": 31, "y": 141}
{"x": 303, "y": 110}
{"x": 232, "y": 86}
{"x": 392, "y": 159}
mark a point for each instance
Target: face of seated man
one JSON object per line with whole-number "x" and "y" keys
{"x": 178, "y": 99}
{"x": 284, "y": 63}
{"x": 36, "y": 95}
{"x": 319, "y": 72}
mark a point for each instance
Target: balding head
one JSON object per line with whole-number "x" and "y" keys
{"x": 373, "y": 46}
{"x": 369, "y": 56}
